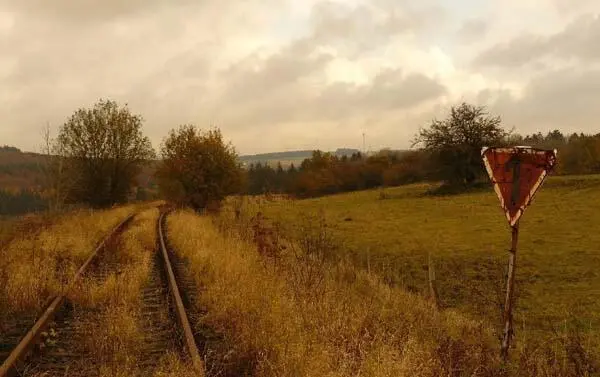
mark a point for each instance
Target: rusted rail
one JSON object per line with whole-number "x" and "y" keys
{"x": 10, "y": 365}
{"x": 180, "y": 312}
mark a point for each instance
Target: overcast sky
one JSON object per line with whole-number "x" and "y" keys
{"x": 299, "y": 74}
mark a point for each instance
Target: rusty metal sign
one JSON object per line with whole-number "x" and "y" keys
{"x": 517, "y": 174}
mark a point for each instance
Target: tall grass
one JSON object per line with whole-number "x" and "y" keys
{"x": 130, "y": 258}
{"x": 37, "y": 265}
{"x": 108, "y": 310}
{"x": 302, "y": 315}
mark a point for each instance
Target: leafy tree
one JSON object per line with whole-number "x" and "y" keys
{"x": 555, "y": 139}
{"x": 103, "y": 149}
{"x": 534, "y": 140}
{"x": 198, "y": 168}
{"x": 581, "y": 155}
{"x": 515, "y": 140}
{"x": 262, "y": 179}
{"x": 455, "y": 143}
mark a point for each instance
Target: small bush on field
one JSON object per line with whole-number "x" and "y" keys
{"x": 266, "y": 237}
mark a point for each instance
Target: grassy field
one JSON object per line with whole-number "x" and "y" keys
{"x": 392, "y": 232}
{"x": 294, "y": 315}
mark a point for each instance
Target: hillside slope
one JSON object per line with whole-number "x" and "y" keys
{"x": 24, "y": 171}
{"x": 20, "y": 170}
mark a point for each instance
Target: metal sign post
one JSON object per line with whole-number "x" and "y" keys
{"x": 516, "y": 173}
{"x": 508, "y": 302}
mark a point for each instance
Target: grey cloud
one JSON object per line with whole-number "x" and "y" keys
{"x": 473, "y": 29}
{"x": 282, "y": 88}
{"x": 254, "y": 78}
{"x": 578, "y": 40}
{"x": 85, "y": 11}
{"x": 365, "y": 27}
{"x": 153, "y": 63}
{"x": 333, "y": 21}
{"x": 515, "y": 53}
{"x": 561, "y": 99}
{"x": 389, "y": 91}
{"x": 570, "y": 6}
{"x": 77, "y": 11}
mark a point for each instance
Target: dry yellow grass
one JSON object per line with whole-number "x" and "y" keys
{"x": 299, "y": 317}
{"x": 107, "y": 311}
{"x": 170, "y": 365}
{"x": 132, "y": 254}
{"x": 117, "y": 331}
{"x": 34, "y": 268}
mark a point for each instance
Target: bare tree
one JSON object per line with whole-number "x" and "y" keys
{"x": 52, "y": 168}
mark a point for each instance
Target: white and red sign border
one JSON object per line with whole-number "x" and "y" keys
{"x": 511, "y": 150}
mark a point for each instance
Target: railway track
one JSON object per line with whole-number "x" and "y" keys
{"x": 162, "y": 314}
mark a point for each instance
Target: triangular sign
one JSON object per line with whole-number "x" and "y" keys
{"x": 517, "y": 174}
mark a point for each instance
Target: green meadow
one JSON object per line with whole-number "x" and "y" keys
{"x": 394, "y": 231}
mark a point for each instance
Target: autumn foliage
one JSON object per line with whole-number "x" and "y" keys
{"x": 325, "y": 173}
{"x": 98, "y": 154}
{"x": 198, "y": 169}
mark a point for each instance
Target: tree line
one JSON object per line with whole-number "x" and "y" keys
{"x": 449, "y": 152}
{"x": 8, "y": 148}
{"x": 326, "y": 173}
{"x": 21, "y": 201}
{"x": 99, "y": 152}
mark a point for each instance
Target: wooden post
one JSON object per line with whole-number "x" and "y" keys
{"x": 432, "y": 286}
{"x": 510, "y": 288}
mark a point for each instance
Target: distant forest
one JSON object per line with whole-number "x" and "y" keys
{"x": 291, "y": 155}
{"x": 325, "y": 173}
{"x": 8, "y": 148}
